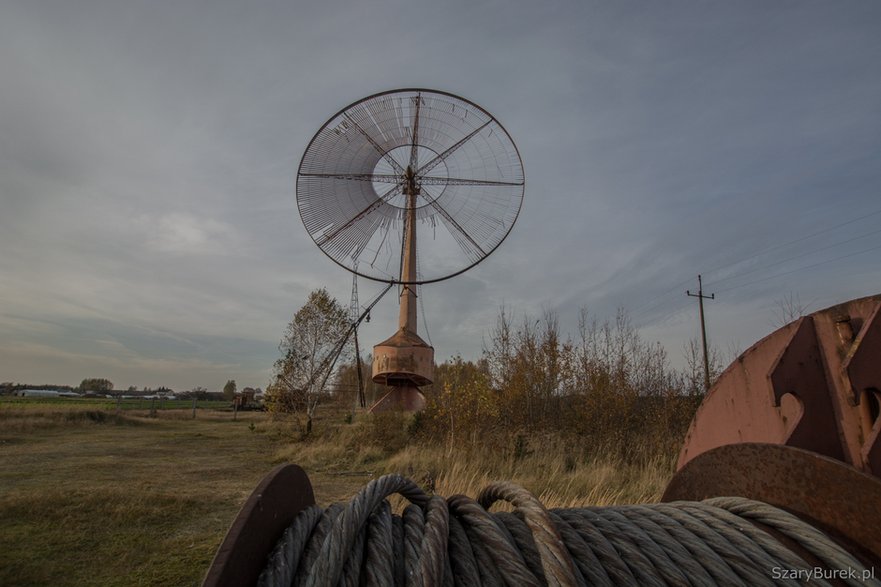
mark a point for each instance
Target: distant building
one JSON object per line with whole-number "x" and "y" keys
{"x": 45, "y": 393}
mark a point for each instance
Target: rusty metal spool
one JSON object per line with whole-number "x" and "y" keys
{"x": 813, "y": 455}
{"x": 812, "y": 384}
{"x": 276, "y": 501}
{"x": 794, "y": 422}
{"x": 837, "y": 498}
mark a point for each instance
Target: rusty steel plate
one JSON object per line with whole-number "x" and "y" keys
{"x": 280, "y": 496}
{"x": 820, "y": 490}
{"x": 813, "y": 384}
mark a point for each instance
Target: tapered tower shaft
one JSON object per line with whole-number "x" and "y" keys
{"x": 407, "y": 312}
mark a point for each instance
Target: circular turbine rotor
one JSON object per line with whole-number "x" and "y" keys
{"x": 357, "y": 175}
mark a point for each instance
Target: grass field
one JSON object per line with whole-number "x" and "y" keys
{"x": 92, "y": 496}
{"x": 89, "y": 497}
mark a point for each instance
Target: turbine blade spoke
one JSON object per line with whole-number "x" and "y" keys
{"x": 391, "y": 161}
{"x": 413, "y": 160}
{"x": 373, "y": 206}
{"x": 374, "y": 177}
{"x": 460, "y": 181}
{"x": 436, "y": 161}
{"x": 451, "y": 222}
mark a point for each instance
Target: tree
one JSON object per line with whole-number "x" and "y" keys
{"x": 96, "y": 385}
{"x": 788, "y": 309}
{"x": 308, "y": 349}
{"x": 462, "y": 405}
{"x": 200, "y": 393}
{"x": 693, "y": 374}
{"x": 229, "y": 390}
{"x": 347, "y": 380}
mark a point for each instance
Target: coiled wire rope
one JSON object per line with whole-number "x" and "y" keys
{"x": 457, "y": 541}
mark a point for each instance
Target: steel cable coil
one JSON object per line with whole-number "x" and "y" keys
{"x": 457, "y": 541}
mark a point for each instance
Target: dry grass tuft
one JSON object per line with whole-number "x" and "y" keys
{"x": 26, "y": 421}
{"x": 557, "y": 480}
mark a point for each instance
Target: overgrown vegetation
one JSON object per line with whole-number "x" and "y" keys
{"x": 607, "y": 392}
{"x": 109, "y": 492}
{"x": 595, "y": 419}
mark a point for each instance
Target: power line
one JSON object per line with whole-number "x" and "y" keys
{"x": 753, "y": 270}
{"x": 801, "y": 268}
{"x": 680, "y": 308}
{"x": 798, "y": 240}
{"x": 660, "y": 300}
{"x": 676, "y": 308}
{"x": 654, "y": 302}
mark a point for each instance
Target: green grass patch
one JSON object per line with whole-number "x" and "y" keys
{"x": 91, "y": 497}
{"x": 104, "y": 536}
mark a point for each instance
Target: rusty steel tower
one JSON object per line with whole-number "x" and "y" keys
{"x": 409, "y": 187}
{"x": 404, "y": 361}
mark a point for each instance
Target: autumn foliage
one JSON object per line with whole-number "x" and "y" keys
{"x": 606, "y": 391}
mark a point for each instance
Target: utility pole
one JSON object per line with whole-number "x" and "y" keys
{"x": 700, "y": 298}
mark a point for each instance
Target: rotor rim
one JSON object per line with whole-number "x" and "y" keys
{"x": 417, "y": 91}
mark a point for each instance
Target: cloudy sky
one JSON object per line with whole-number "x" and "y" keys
{"x": 148, "y": 153}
